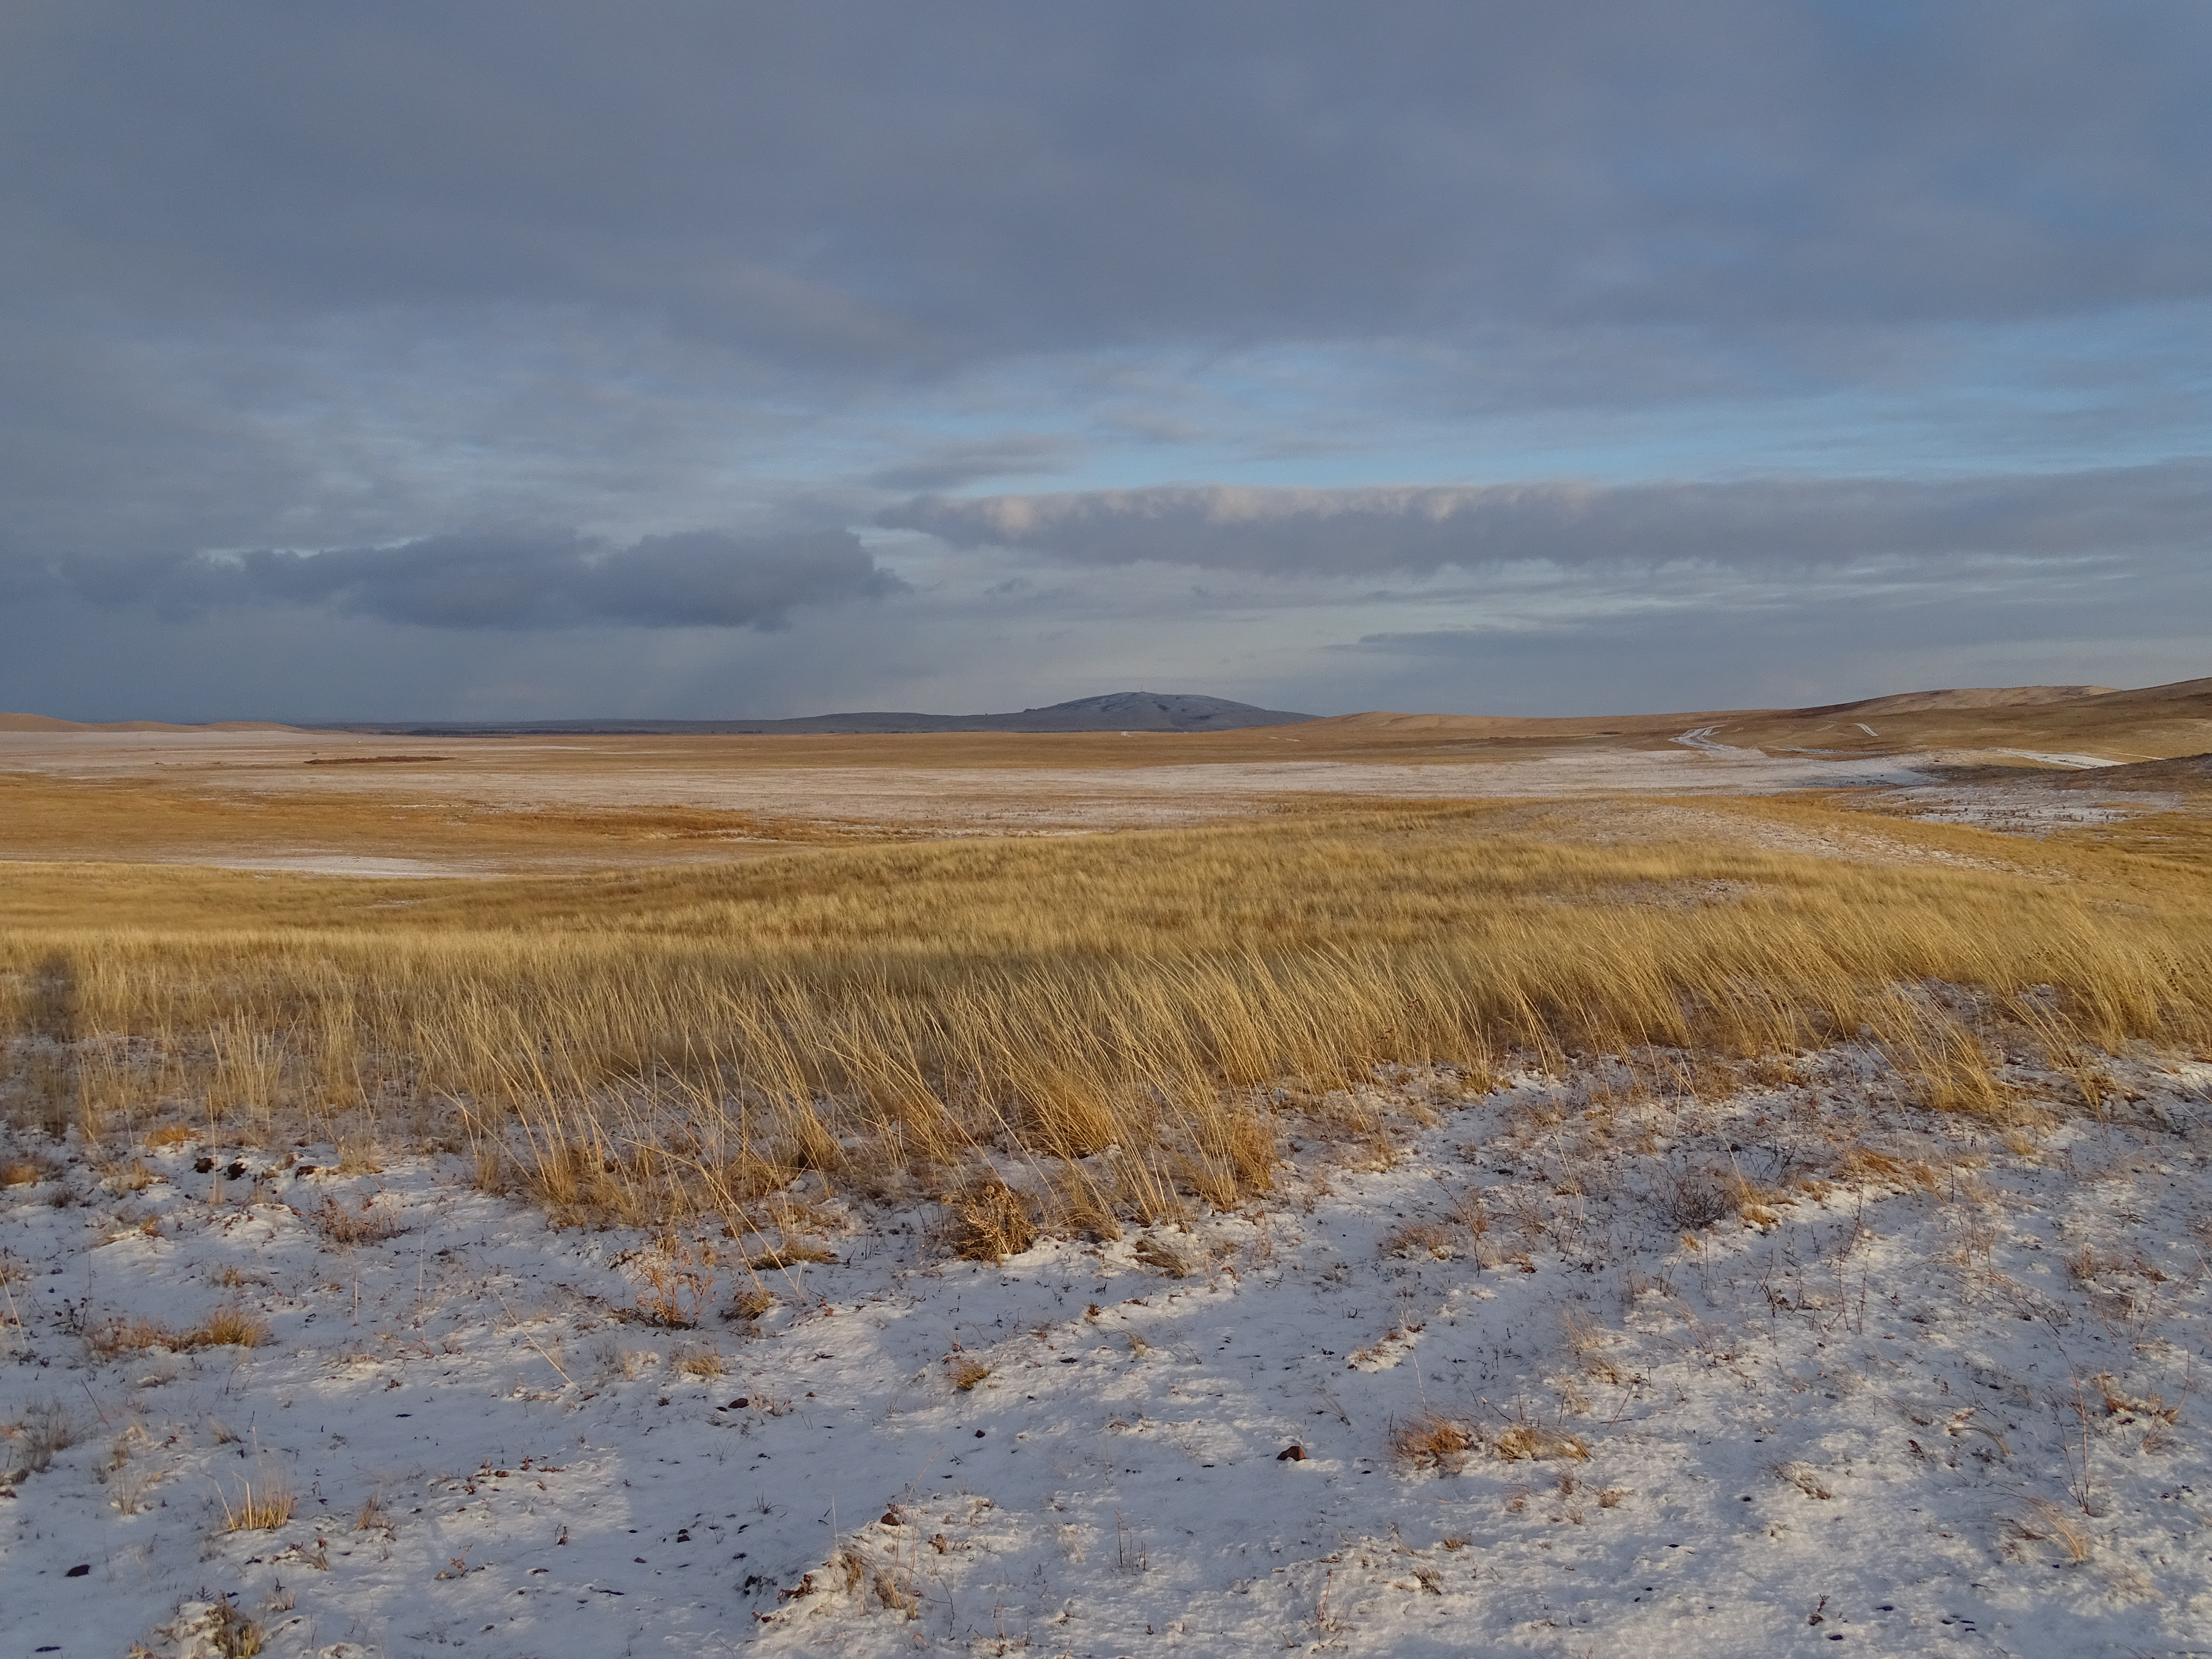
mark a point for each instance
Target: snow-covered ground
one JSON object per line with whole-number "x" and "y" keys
{"x": 2024, "y": 809}
{"x": 1801, "y": 1366}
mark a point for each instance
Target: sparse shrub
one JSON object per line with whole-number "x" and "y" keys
{"x": 676, "y": 1282}
{"x": 44, "y": 1430}
{"x": 1692, "y": 1201}
{"x": 990, "y": 1221}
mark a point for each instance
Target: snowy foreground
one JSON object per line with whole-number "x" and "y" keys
{"x": 1917, "y": 1390}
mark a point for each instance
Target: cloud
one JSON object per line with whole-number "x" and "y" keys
{"x": 510, "y": 580}
{"x": 359, "y": 278}
{"x": 1423, "y": 529}
{"x": 950, "y": 466}
{"x": 867, "y": 186}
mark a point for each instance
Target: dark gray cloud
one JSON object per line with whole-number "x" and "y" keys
{"x": 1419, "y": 529}
{"x": 513, "y": 580}
{"x": 950, "y": 466}
{"x": 871, "y": 185}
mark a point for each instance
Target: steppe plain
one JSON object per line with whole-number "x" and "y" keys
{"x": 1730, "y": 1182}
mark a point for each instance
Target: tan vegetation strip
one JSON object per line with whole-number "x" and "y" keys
{"x": 1112, "y": 1022}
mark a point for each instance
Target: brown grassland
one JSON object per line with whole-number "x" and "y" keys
{"x": 1116, "y": 1024}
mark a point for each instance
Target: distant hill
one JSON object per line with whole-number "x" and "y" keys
{"x": 48, "y": 723}
{"x": 1119, "y": 711}
{"x": 1984, "y": 696}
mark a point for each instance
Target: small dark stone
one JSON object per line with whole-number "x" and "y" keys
{"x": 739, "y": 1403}
{"x": 1292, "y": 1454}
{"x": 890, "y": 1518}
{"x": 303, "y": 1171}
{"x": 202, "y": 1165}
{"x": 78, "y": 1571}
{"x": 978, "y": 1434}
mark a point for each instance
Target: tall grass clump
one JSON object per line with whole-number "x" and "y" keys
{"x": 1106, "y": 1021}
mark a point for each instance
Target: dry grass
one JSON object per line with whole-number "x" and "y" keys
{"x": 1431, "y": 1442}
{"x": 1112, "y": 1012}
{"x": 364, "y": 1224}
{"x": 788, "y": 1255}
{"x": 123, "y": 1336}
{"x": 750, "y": 1302}
{"x": 990, "y": 1221}
{"x": 232, "y": 1327}
{"x": 44, "y": 1430}
{"x": 1804, "y": 1477}
{"x": 226, "y": 1328}
{"x": 264, "y": 1508}
{"x": 698, "y": 1361}
{"x": 2041, "y": 1519}
{"x": 1536, "y": 1443}
{"x": 964, "y": 1372}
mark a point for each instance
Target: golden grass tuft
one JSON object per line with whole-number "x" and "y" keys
{"x": 264, "y": 1508}
{"x": 1433, "y": 1441}
{"x": 964, "y": 1372}
{"x": 230, "y": 1327}
{"x": 699, "y": 1362}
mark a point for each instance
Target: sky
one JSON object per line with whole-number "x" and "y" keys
{"x": 532, "y": 360}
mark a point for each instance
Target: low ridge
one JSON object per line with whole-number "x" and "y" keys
{"x": 1118, "y": 711}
